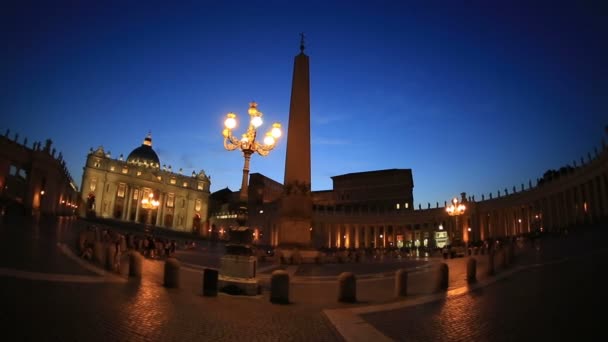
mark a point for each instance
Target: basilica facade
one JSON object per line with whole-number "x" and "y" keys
{"x": 139, "y": 190}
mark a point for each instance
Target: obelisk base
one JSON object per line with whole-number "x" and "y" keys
{"x": 295, "y": 246}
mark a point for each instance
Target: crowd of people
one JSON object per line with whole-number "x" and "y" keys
{"x": 150, "y": 246}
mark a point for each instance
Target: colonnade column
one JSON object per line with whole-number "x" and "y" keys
{"x": 596, "y": 199}
{"x": 604, "y": 194}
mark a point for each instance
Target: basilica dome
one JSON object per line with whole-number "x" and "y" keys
{"x": 144, "y": 155}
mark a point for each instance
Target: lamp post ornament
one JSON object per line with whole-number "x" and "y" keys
{"x": 248, "y": 143}
{"x": 455, "y": 209}
{"x": 150, "y": 204}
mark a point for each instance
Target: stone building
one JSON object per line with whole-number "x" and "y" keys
{"x": 139, "y": 190}
{"x": 34, "y": 180}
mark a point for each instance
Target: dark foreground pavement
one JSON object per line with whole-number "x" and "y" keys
{"x": 550, "y": 302}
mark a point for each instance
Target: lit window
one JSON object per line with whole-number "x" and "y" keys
{"x": 159, "y": 178}
{"x": 170, "y": 200}
{"x": 125, "y": 170}
{"x": 201, "y": 186}
{"x": 407, "y": 205}
{"x": 172, "y": 181}
{"x": 121, "y": 190}
{"x": 185, "y": 185}
{"x": 139, "y": 173}
{"x": 93, "y": 184}
{"x": 135, "y": 194}
{"x": 13, "y": 170}
{"x": 112, "y": 168}
{"x": 398, "y": 206}
{"x": 197, "y": 205}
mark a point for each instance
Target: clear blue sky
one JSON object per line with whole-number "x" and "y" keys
{"x": 472, "y": 96}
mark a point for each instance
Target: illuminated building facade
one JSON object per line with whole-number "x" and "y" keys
{"x": 125, "y": 190}
{"x": 34, "y": 180}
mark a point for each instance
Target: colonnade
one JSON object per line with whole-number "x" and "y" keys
{"x": 575, "y": 198}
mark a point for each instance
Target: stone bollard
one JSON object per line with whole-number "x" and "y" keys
{"x": 401, "y": 283}
{"x": 99, "y": 253}
{"x": 491, "y": 263}
{"x": 443, "y": 273}
{"x": 135, "y": 264}
{"x": 110, "y": 256}
{"x": 471, "y": 270}
{"x": 171, "y": 273}
{"x": 210, "y": 282}
{"x": 279, "y": 287}
{"x": 347, "y": 287}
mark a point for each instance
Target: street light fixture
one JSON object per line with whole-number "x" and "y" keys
{"x": 248, "y": 143}
{"x": 149, "y": 204}
{"x": 455, "y": 209}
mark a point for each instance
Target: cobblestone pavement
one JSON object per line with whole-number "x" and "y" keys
{"x": 144, "y": 310}
{"x": 551, "y": 303}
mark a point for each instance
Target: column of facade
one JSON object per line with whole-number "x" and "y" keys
{"x": 603, "y": 190}
{"x": 597, "y": 207}
{"x": 374, "y": 233}
{"x": 112, "y": 193}
{"x": 559, "y": 215}
{"x": 528, "y": 218}
{"x": 588, "y": 200}
{"x": 137, "y": 204}
{"x": 546, "y": 221}
{"x": 129, "y": 203}
{"x": 161, "y": 198}
{"x": 176, "y": 211}
{"x": 564, "y": 207}
{"x": 394, "y": 235}
{"x": 100, "y": 197}
{"x": 366, "y": 242}
{"x": 357, "y": 236}
{"x": 554, "y": 214}
{"x": 162, "y": 209}
{"x": 125, "y": 205}
{"x": 347, "y": 239}
{"x": 567, "y": 207}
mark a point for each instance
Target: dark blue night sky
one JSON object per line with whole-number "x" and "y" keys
{"x": 472, "y": 96}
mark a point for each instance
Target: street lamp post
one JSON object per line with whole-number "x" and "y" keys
{"x": 248, "y": 143}
{"x": 455, "y": 209}
{"x": 149, "y": 204}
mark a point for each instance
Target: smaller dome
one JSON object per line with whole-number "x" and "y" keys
{"x": 144, "y": 155}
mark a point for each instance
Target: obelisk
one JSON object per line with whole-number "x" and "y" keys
{"x": 295, "y": 213}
